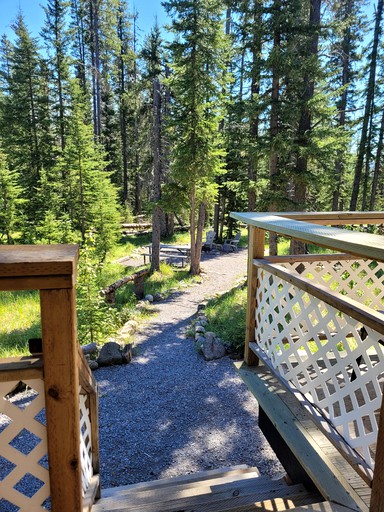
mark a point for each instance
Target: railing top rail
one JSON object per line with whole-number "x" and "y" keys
{"x": 37, "y": 260}
{"x": 361, "y": 244}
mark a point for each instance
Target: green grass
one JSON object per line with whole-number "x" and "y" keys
{"x": 20, "y": 311}
{"x": 226, "y": 317}
{"x": 20, "y": 321}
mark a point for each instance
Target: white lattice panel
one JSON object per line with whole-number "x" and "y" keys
{"x": 85, "y": 443}
{"x": 24, "y": 476}
{"x": 361, "y": 280}
{"x": 302, "y": 336}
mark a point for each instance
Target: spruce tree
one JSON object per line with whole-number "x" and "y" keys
{"x": 198, "y": 64}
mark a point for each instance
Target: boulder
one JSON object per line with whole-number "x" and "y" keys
{"x": 212, "y": 348}
{"x": 199, "y": 328}
{"x": 149, "y": 298}
{"x": 110, "y": 354}
{"x": 93, "y": 364}
{"x": 91, "y": 348}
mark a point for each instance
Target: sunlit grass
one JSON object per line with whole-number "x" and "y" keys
{"x": 226, "y": 316}
{"x": 19, "y": 321}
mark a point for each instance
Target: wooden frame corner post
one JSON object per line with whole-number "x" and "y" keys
{"x": 59, "y": 332}
{"x": 256, "y": 246}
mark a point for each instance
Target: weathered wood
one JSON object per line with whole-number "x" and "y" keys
{"x": 296, "y": 427}
{"x": 38, "y": 260}
{"x": 21, "y": 368}
{"x": 86, "y": 378}
{"x": 360, "y": 244}
{"x": 294, "y": 258}
{"x": 136, "y": 278}
{"x": 351, "y": 307}
{"x": 255, "y": 250}
{"x": 335, "y": 218}
{"x": 36, "y": 282}
{"x": 93, "y": 492}
{"x": 377, "y": 498}
{"x": 58, "y": 317}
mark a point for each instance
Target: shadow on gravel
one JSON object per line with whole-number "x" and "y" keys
{"x": 170, "y": 412}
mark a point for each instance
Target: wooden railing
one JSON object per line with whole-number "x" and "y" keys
{"x": 317, "y": 322}
{"x": 48, "y": 444}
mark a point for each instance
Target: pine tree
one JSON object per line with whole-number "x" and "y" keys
{"x": 199, "y": 57}
{"x": 10, "y": 201}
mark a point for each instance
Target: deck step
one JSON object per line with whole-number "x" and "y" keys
{"x": 236, "y": 490}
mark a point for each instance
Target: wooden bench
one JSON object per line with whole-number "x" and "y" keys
{"x": 304, "y": 451}
{"x": 167, "y": 256}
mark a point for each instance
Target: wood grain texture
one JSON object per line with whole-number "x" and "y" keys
{"x": 255, "y": 250}
{"x": 58, "y": 317}
{"x": 21, "y": 368}
{"x": 38, "y": 260}
{"x": 359, "y": 244}
{"x": 311, "y": 448}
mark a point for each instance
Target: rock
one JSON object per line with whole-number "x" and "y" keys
{"x": 199, "y": 328}
{"x": 203, "y": 322}
{"x": 201, "y": 306}
{"x": 110, "y": 354}
{"x": 212, "y": 348}
{"x": 93, "y": 364}
{"x": 157, "y": 297}
{"x": 127, "y": 353}
{"x": 148, "y": 298}
{"x": 199, "y": 340}
{"x": 199, "y": 335}
{"x": 129, "y": 328}
{"x": 91, "y": 348}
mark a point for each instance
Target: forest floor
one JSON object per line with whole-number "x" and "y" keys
{"x": 170, "y": 412}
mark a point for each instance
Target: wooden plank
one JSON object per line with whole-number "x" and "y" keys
{"x": 199, "y": 476}
{"x": 36, "y": 282}
{"x": 336, "y": 218}
{"x": 195, "y": 492}
{"x": 351, "y": 307}
{"x": 361, "y": 244}
{"x": 298, "y": 258}
{"x": 255, "y": 250}
{"x": 274, "y": 400}
{"x": 58, "y": 317}
{"x": 216, "y": 501}
{"x": 91, "y": 494}
{"x": 324, "y": 506}
{"x": 377, "y": 498}
{"x": 86, "y": 377}
{"x": 21, "y": 368}
{"x": 38, "y": 260}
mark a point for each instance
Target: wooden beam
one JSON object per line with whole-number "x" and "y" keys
{"x": 255, "y": 250}
{"x": 58, "y": 317}
{"x": 21, "y": 368}
{"x": 377, "y": 496}
{"x": 360, "y": 244}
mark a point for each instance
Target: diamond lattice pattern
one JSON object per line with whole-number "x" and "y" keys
{"x": 328, "y": 356}
{"x": 85, "y": 443}
{"x": 24, "y": 476}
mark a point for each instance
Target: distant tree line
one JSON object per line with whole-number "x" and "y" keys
{"x": 263, "y": 105}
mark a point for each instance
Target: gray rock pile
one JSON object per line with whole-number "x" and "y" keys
{"x": 207, "y": 342}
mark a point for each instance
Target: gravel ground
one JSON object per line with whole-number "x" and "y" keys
{"x": 169, "y": 412}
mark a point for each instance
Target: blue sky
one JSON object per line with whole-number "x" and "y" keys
{"x": 34, "y": 14}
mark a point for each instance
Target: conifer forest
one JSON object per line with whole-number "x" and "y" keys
{"x": 236, "y": 105}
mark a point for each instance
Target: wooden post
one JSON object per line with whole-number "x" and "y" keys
{"x": 377, "y": 496}
{"x": 255, "y": 250}
{"x": 58, "y": 318}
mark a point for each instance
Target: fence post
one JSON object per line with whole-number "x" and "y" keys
{"x": 58, "y": 318}
{"x": 256, "y": 246}
{"x": 377, "y": 496}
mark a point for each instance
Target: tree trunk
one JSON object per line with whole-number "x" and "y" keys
{"x": 274, "y": 131}
{"x": 342, "y": 105}
{"x": 197, "y": 239}
{"x": 157, "y": 172}
{"x": 361, "y": 154}
{"x": 378, "y": 164}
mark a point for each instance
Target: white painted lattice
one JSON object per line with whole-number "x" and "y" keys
{"x": 85, "y": 443}
{"x": 326, "y": 355}
{"x": 361, "y": 280}
{"x": 24, "y": 476}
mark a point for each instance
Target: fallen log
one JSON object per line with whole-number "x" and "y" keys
{"x": 138, "y": 283}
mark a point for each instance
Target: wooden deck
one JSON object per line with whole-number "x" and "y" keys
{"x": 233, "y": 490}
{"x": 280, "y": 411}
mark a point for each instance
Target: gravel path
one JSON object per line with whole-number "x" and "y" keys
{"x": 169, "y": 412}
